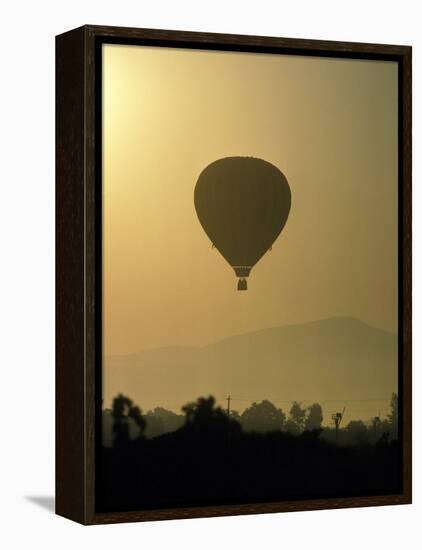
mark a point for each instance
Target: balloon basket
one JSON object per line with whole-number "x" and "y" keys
{"x": 242, "y": 284}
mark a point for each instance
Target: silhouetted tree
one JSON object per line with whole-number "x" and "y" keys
{"x": 205, "y": 417}
{"x": 375, "y": 428}
{"x": 120, "y": 411}
{"x": 203, "y": 411}
{"x": 189, "y": 411}
{"x": 296, "y": 422}
{"x": 262, "y": 417}
{"x": 393, "y": 416}
{"x": 314, "y": 418}
{"x": 384, "y": 427}
{"x": 126, "y": 415}
{"x": 356, "y": 432}
{"x": 136, "y": 414}
{"x": 120, "y": 407}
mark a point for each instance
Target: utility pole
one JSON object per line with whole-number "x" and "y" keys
{"x": 228, "y": 405}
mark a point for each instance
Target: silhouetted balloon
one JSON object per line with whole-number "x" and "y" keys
{"x": 242, "y": 204}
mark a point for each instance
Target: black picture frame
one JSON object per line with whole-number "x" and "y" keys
{"x": 78, "y": 260}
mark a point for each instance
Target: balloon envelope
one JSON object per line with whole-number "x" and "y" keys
{"x": 242, "y": 204}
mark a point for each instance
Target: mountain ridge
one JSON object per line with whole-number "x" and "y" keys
{"x": 253, "y": 332}
{"x": 326, "y": 360}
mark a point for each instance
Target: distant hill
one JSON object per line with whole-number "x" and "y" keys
{"x": 322, "y": 361}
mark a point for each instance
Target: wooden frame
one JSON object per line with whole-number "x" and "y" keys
{"x": 78, "y": 260}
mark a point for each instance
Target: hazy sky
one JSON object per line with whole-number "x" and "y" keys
{"x": 330, "y": 125}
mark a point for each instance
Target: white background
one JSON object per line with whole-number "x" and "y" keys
{"x": 27, "y": 272}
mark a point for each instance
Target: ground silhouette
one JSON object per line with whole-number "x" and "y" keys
{"x": 211, "y": 459}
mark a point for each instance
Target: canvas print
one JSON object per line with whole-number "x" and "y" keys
{"x": 249, "y": 278}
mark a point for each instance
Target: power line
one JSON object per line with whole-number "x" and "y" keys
{"x": 352, "y": 403}
{"x": 279, "y": 400}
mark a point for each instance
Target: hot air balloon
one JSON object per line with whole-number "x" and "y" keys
{"x": 242, "y": 204}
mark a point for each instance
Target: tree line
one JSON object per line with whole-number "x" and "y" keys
{"x": 125, "y": 421}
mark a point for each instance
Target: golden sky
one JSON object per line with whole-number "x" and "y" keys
{"x": 330, "y": 125}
